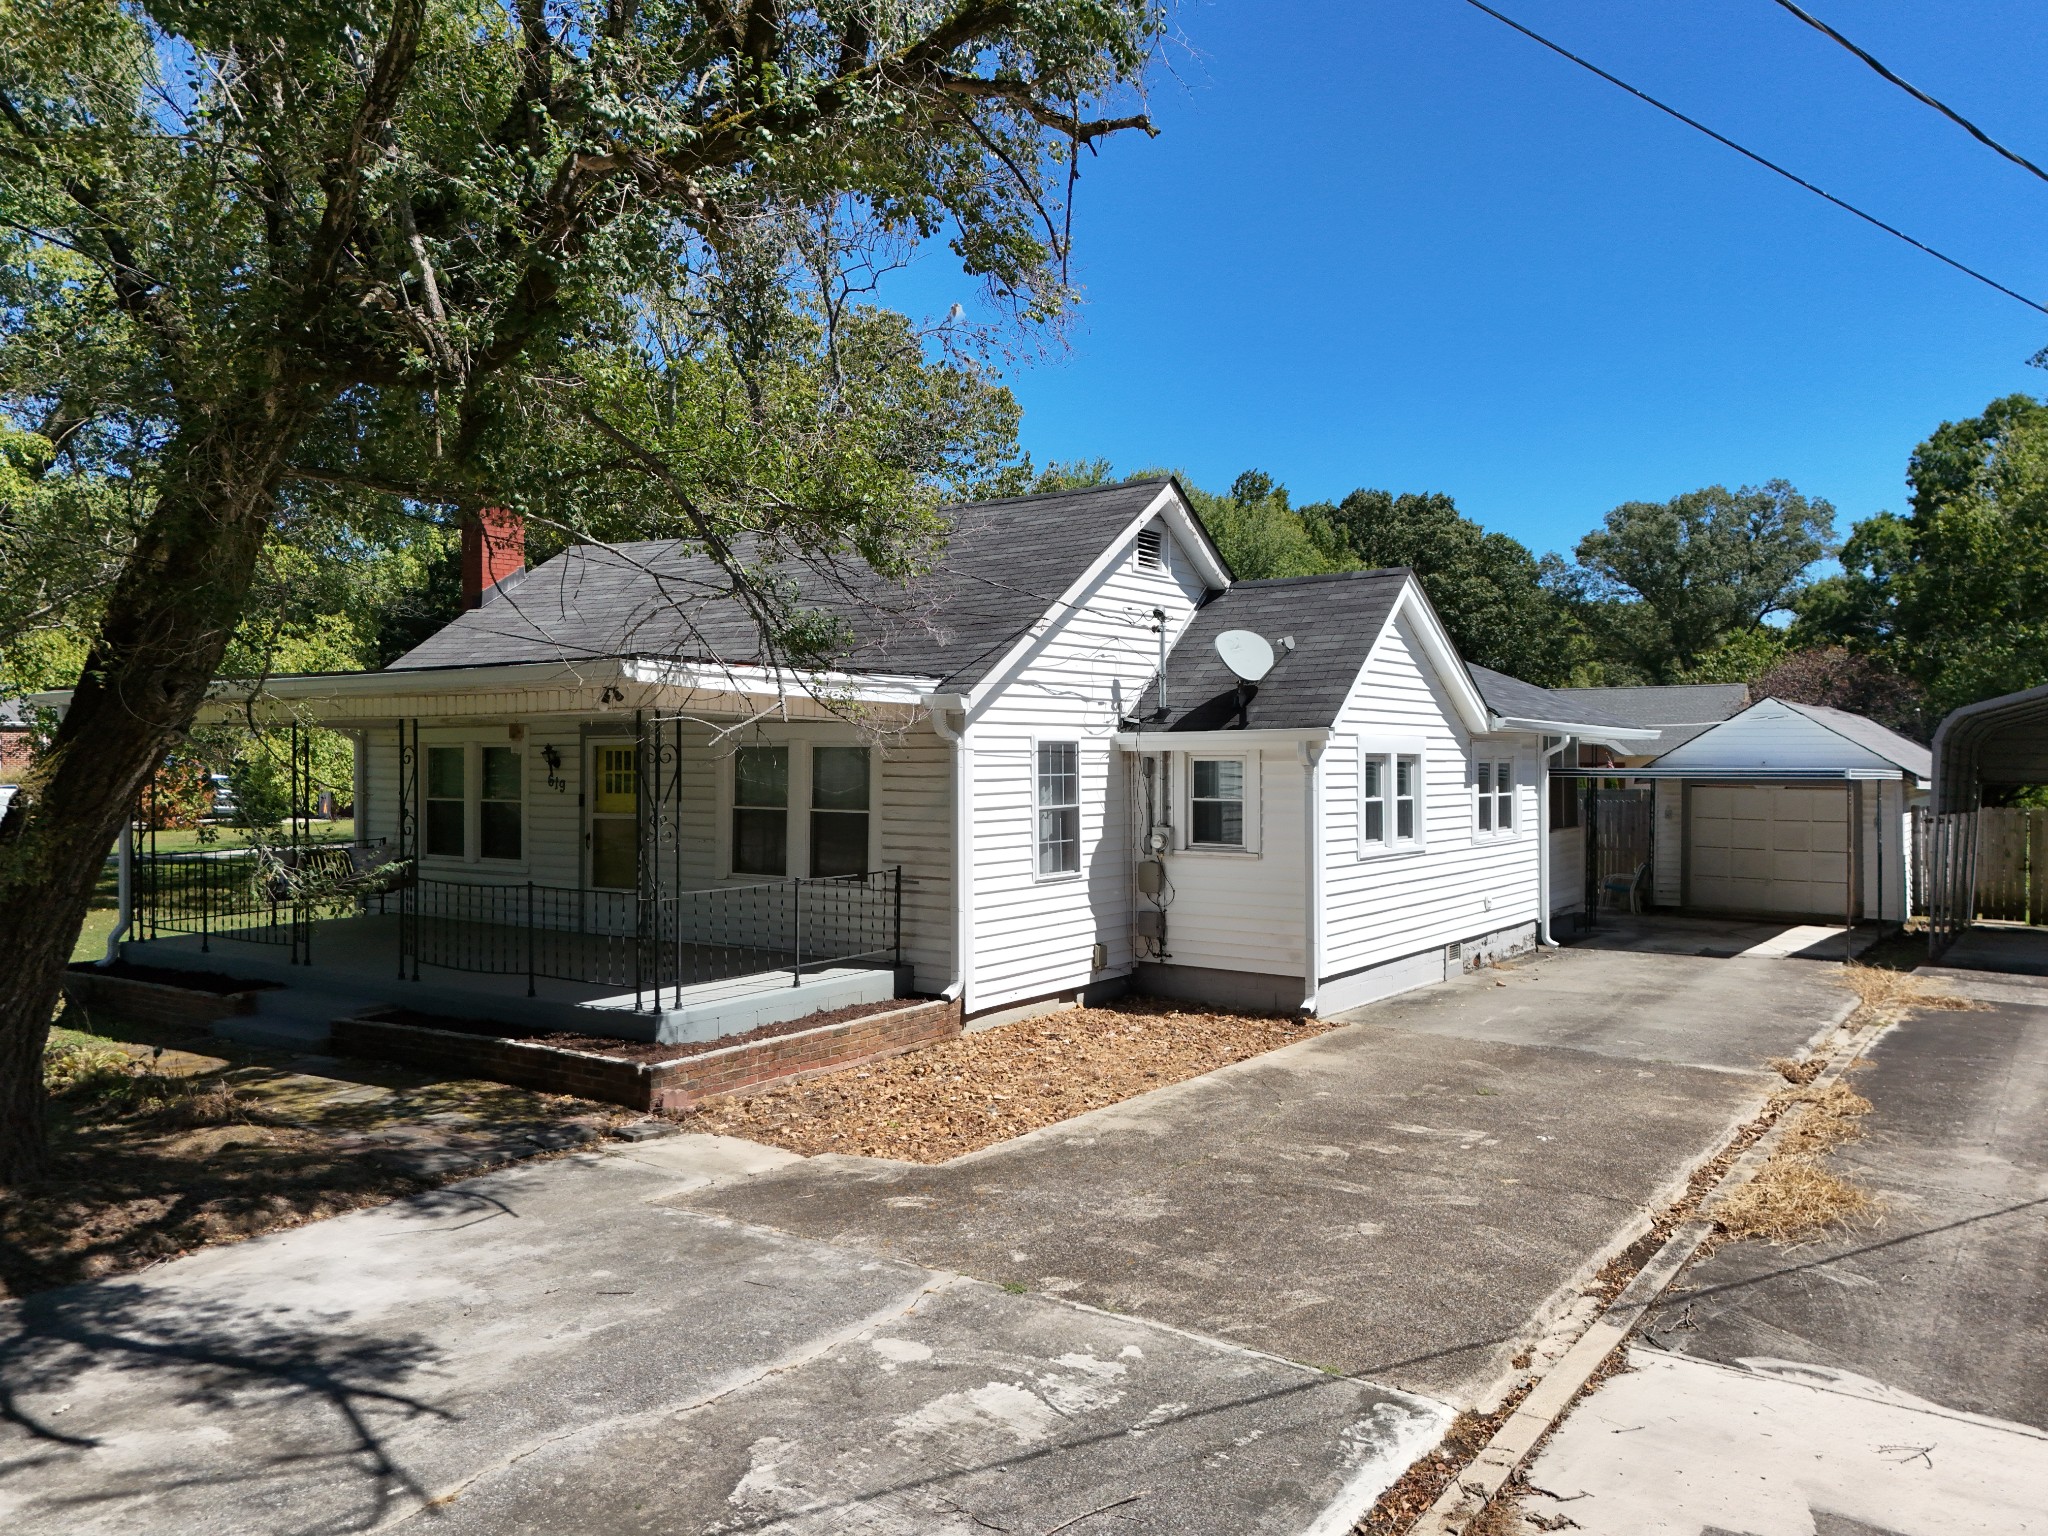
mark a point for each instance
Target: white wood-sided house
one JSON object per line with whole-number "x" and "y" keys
{"x": 1029, "y": 778}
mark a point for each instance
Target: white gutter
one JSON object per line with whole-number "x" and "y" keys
{"x": 1187, "y": 741}
{"x": 1311, "y": 755}
{"x": 1604, "y": 735}
{"x": 963, "y": 857}
{"x": 1543, "y": 846}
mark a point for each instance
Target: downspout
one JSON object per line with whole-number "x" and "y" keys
{"x": 963, "y": 857}
{"x": 359, "y": 788}
{"x": 1543, "y": 846}
{"x": 1311, "y": 754}
{"x": 126, "y": 887}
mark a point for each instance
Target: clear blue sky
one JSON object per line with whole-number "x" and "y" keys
{"x": 1392, "y": 243}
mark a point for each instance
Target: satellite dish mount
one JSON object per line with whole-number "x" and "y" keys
{"x": 1249, "y": 658}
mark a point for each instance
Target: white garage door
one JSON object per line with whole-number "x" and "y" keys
{"x": 1767, "y": 848}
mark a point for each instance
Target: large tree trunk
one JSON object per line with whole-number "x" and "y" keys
{"x": 167, "y": 623}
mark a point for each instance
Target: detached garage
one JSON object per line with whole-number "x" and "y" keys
{"x": 1788, "y": 810}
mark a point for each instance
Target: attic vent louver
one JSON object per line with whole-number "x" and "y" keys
{"x": 1152, "y": 549}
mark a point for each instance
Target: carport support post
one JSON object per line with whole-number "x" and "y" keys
{"x": 1849, "y": 872}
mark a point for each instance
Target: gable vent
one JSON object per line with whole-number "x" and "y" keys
{"x": 1152, "y": 549}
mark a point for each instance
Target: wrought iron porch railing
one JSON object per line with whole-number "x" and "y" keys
{"x": 258, "y": 896}
{"x": 654, "y": 945}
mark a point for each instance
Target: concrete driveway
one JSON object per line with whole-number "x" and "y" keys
{"x": 1240, "y": 1304}
{"x": 1884, "y": 1381}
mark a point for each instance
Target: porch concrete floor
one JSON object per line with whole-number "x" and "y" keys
{"x": 355, "y": 965}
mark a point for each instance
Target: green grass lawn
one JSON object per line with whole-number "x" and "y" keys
{"x": 190, "y": 839}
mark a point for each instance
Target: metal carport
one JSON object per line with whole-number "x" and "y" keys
{"x": 2003, "y": 742}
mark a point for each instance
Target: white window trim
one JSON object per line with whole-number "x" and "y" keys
{"x": 798, "y": 811}
{"x": 1080, "y": 743}
{"x": 1512, "y": 759}
{"x": 1184, "y": 812}
{"x": 1388, "y": 749}
{"x": 473, "y": 742}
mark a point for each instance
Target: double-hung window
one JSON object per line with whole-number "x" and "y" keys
{"x": 1496, "y": 797}
{"x": 1216, "y": 802}
{"x": 1059, "y": 807}
{"x": 839, "y": 810}
{"x": 1389, "y": 801}
{"x": 760, "y": 811}
{"x": 486, "y": 777}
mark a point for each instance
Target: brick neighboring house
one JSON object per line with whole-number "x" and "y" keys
{"x": 14, "y": 739}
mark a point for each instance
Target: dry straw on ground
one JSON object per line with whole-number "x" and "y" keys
{"x": 1793, "y": 1197}
{"x": 983, "y": 1088}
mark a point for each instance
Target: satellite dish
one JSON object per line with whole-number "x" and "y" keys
{"x": 1245, "y": 653}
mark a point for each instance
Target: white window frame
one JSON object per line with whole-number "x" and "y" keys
{"x": 1495, "y": 760}
{"x": 1389, "y": 751}
{"x": 801, "y": 742}
{"x": 1039, "y": 874}
{"x": 1245, "y": 805}
{"x": 472, "y": 743}
{"x": 1184, "y": 806}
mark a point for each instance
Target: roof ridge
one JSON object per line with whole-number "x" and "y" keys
{"x": 1287, "y": 581}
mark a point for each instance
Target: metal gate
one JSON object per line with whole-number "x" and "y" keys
{"x": 1624, "y": 822}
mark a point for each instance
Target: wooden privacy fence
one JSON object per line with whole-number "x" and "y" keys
{"x": 1999, "y": 852}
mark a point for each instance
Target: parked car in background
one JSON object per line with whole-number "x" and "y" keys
{"x": 223, "y": 797}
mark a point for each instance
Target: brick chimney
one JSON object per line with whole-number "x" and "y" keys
{"x": 493, "y": 548}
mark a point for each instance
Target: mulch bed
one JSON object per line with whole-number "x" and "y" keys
{"x": 964, "y": 1094}
{"x": 640, "y": 1050}
{"x": 170, "y": 976}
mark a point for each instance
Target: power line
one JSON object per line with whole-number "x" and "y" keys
{"x": 1750, "y": 154}
{"x": 1915, "y": 92}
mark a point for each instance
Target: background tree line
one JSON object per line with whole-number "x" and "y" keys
{"x": 1930, "y": 610}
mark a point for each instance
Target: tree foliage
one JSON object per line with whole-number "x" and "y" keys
{"x": 270, "y": 274}
{"x": 1258, "y": 532}
{"x": 1842, "y": 679}
{"x": 1487, "y": 587}
{"x": 1954, "y": 594}
{"x": 1662, "y": 584}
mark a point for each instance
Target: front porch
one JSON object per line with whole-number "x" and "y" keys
{"x": 672, "y": 966}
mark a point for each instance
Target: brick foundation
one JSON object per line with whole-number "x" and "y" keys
{"x": 153, "y": 1002}
{"x": 668, "y": 1085}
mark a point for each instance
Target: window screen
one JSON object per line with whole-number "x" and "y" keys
{"x": 614, "y": 821}
{"x": 1216, "y": 802}
{"x": 839, "y": 810}
{"x": 1503, "y": 797}
{"x": 760, "y": 811}
{"x": 446, "y": 797}
{"x": 1407, "y": 794}
{"x": 1374, "y": 793}
{"x": 1059, "y": 807}
{"x": 498, "y": 804}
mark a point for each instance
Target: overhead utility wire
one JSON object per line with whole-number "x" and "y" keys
{"x": 1750, "y": 154}
{"x": 1915, "y": 92}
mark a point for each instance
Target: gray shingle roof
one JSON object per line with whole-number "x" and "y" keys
{"x": 1888, "y": 744}
{"x": 1513, "y": 699}
{"x": 1333, "y": 620}
{"x": 1005, "y": 565}
{"x": 1669, "y": 704}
